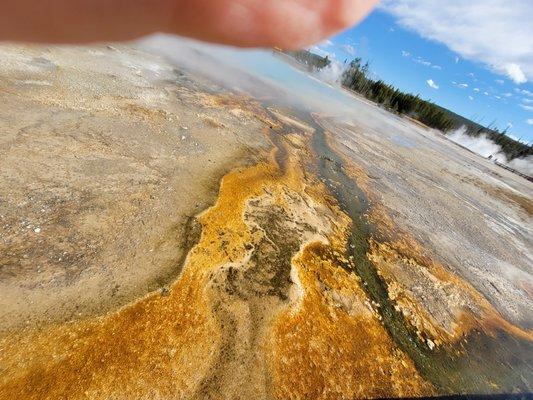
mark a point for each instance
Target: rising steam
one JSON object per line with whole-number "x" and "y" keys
{"x": 332, "y": 73}
{"x": 485, "y": 147}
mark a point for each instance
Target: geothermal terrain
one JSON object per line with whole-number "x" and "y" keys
{"x": 165, "y": 234}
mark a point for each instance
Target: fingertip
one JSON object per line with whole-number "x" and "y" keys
{"x": 346, "y": 13}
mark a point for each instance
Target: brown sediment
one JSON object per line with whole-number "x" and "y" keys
{"x": 332, "y": 345}
{"x": 504, "y": 194}
{"x": 524, "y": 203}
{"x": 237, "y": 104}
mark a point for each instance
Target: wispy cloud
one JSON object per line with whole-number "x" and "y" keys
{"x": 432, "y": 84}
{"x": 492, "y": 32}
{"x": 422, "y": 61}
{"x": 470, "y": 98}
{"x": 462, "y": 85}
{"x": 405, "y": 53}
{"x": 500, "y": 81}
{"x": 524, "y": 92}
{"x": 527, "y": 108}
{"x": 476, "y": 89}
{"x": 529, "y": 121}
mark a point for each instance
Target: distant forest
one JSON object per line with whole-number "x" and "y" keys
{"x": 312, "y": 61}
{"x": 356, "y": 78}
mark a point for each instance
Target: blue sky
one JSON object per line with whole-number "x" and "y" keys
{"x": 471, "y": 82}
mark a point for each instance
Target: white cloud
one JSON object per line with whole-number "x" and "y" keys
{"x": 422, "y": 61}
{"x": 436, "y": 67}
{"x": 321, "y": 52}
{"x": 432, "y": 84}
{"x": 529, "y": 121}
{"x": 405, "y": 53}
{"x": 348, "y": 48}
{"x": 326, "y": 43}
{"x": 476, "y": 89}
{"x": 526, "y": 100}
{"x": 493, "y": 32}
{"x": 507, "y": 94}
{"x": 486, "y": 93}
{"x": 456, "y": 60}
{"x": 500, "y": 81}
{"x": 514, "y": 72}
{"x": 527, "y": 108}
{"x": 470, "y": 97}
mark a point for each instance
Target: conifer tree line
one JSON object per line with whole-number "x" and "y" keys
{"x": 356, "y": 78}
{"x": 312, "y": 61}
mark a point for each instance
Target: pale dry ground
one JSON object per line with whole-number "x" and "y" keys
{"x": 104, "y": 161}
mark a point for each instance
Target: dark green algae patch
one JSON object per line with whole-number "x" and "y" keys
{"x": 478, "y": 363}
